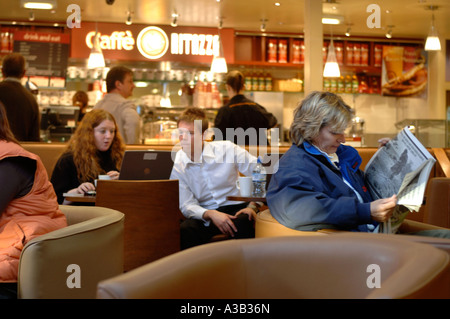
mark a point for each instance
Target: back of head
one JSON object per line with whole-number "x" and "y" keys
{"x": 13, "y": 65}
{"x": 192, "y": 114}
{"x": 5, "y": 132}
{"x": 116, "y": 73}
{"x": 235, "y": 80}
{"x": 317, "y": 110}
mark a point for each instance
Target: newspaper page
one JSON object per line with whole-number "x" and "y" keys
{"x": 401, "y": 167}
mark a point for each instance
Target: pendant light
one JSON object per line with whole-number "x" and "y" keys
{"x": 432, "y": 43}
{"x": 331, "y": 69}
{"x": 219, "y": 64}
{"x": 96, "y": 59}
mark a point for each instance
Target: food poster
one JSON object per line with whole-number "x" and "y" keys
{"x": 404, "y": 72}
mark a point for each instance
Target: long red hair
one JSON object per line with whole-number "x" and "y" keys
{"x": 82, "y": 145}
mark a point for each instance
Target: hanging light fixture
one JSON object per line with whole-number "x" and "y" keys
{"x": 174, "y": 22}
{"x": 263, "y": 25}
{"x": 96, "y": 59}
{"x": 432, "y": 43}
{"x": 389, "y": 32}
{"x": 219, "y": 64}
{"x": 331, "y": 69}
{"x": 129, "y": 20}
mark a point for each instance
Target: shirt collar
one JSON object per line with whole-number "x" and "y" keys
{"x": 314, "y": 150}
{"x": 207, "y": 152}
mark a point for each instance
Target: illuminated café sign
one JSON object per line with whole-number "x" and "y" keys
{"x": 119, "y": 42}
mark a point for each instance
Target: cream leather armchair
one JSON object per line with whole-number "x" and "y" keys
{"x": 69, "y": 262}
{"x": 289, "y": 267}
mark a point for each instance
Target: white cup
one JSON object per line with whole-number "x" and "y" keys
{"x": 245, "y": 185}
{"x": 102, "y": 177}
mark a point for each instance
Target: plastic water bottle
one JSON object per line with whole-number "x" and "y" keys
{"x": 259, "y": 180}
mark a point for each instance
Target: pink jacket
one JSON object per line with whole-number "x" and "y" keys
{"x": 27, "y": 217}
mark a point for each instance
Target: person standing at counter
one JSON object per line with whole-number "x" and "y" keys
{"x": 21, "y": 106}
{"x": 96, "y": 148}
{"x": 80, "y": 99}
{"x": 119, "y": 87}
{"x": 207, "y": 174}
{"x": 28, "y": 205}
{"x": 241, "y": 112}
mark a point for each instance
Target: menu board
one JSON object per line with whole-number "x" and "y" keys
{"x": 46, "y": 53}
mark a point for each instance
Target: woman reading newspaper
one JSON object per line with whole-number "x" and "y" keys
{"x": 319, "y": 184}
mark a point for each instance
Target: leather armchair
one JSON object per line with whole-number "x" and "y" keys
{"x": 88, "y": 250}
{"x": 288, "y": 267}
{"x": 267, "y": 226}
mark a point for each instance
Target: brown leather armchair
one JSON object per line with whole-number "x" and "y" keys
{"x": 337, "y": 266}
{"x": 88, "y": 250}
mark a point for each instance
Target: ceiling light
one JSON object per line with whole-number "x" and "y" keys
{"x": 332, "y": 19}
{"x": 331, "y": 69}
{"x": 432, "y": 43}
{"x": 174, "y": 22}
{"x": 347, "y": 33}
{"x": 96, "y": 59}
{"x": 389, "y": 31}
{"x": 219, "y": 64}
{"x": 128, "y": 21}
{"x": 38, "y": 4}
{"x": 263, "y": 25}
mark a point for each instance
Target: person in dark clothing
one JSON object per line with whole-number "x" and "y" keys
{"x": 245, "y": 120}
{"x": 96, "y": 148}
{"x": 21, "y": 106}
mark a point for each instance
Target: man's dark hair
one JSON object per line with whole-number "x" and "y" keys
{"x": 13, "y": 65}
{"x": 117, "y": 73}
{"x": 192, "y": 114}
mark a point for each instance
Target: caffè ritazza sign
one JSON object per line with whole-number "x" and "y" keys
{"x": 148, "y": 43}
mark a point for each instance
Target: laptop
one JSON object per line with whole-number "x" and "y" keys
{"x": 146, "y": 165}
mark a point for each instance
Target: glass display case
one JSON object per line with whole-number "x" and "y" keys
{"x": 431, "y": 133}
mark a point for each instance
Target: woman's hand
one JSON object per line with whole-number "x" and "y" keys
{"x": 381, "y": 209}
{"x": 85, "y": 187}
{"x": 222, "y": 221}
{"x": 113, "y": 174}
{"x": 383, "y": 141}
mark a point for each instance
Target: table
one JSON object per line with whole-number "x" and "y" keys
{"x": 247, "y": 199}
{"x": 80, "y": 198}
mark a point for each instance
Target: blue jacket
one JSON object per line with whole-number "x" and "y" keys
{"x": 308, "y": 192}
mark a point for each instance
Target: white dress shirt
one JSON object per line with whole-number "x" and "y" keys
{"x": 206, "y": 183}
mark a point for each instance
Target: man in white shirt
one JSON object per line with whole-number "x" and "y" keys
{"x": 119, "y": 87}
{"x": 207, "y": 174}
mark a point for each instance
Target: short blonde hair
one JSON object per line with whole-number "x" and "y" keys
{"x": 317, "y": 110}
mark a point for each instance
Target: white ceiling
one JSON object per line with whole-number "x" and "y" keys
{"x": 409, "y": 17}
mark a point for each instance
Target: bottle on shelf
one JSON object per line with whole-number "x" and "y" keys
{"x": 341, "y": 85}
{"x": 269, "y": 85}
{"x": 248, "y": 81}
{"x": 348, "y": 84}
{"x": 259, "y": 180}
{"x": 261, "y": 82}
{"x": 355, "y": 84}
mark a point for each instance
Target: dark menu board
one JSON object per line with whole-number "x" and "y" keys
{"x": 46, "y": 53}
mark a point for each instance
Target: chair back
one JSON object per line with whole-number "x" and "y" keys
{"x": 346, "y": 265}
{"x": 152, "y": 217}
{"x": 69, "y": 262}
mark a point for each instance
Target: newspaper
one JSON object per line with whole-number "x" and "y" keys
{"x": 401, "y": 167}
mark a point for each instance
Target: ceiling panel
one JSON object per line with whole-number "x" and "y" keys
{"x": 409, "y": 17}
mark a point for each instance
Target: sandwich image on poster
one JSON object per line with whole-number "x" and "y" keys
{"x": 404, "y": 72}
